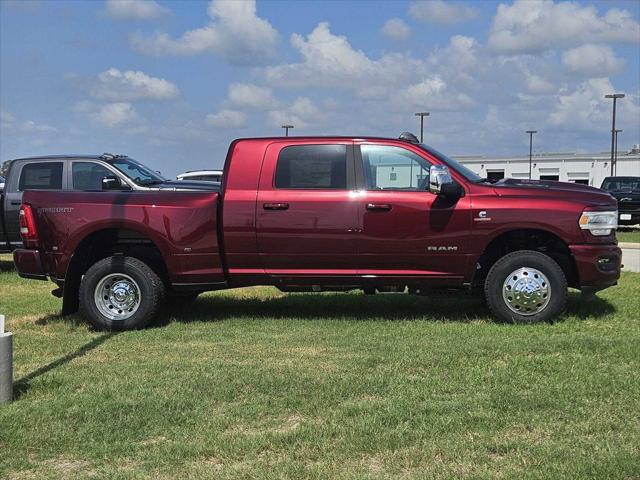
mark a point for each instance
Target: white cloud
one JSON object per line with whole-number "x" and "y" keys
{"x": 396, "y": 29}
{"x": 134, "y": 9}
{"x": 8, "y": 121}
{"x": 330, "y": 61}
{"x": 592, "y": 60}
{"x": 585, "y": 107}
{"x": 110, "y": 114}
{"x": 532, "y": 26}
{"x": 538, "y": 85}
{"x": 439, "y": 11}
{"x": 114, "y": 85}
{"x": 227, "y": 119}
{"x": 301, "y": 113}
{"x": 236, "y": 33}
{"x": 250, "y": 95}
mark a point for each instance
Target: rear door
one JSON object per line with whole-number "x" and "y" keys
{"x": 406, "y": 230}
{"x": 306, "y": 211}
{"x": 29, "y": 175}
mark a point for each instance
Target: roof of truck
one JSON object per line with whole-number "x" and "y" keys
{"x": 93, "y": 156}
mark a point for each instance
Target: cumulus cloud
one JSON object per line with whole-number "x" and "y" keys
{"x": 134, "y": 9}
{"x": 301, "y": 113}
{"x": 251, "y": 96}
{"x": 110, "y": 115}
{"x": 235, "y": 33}
{"x": 533, "y": 26}
{"x": 8, "y": 121}
{"x": 114, "y": 85}
{"x": 227, "y": 119}
{"x": 592, "y": 60}
{"x": 330, "y": 61}
{"x": 585, "y": 108}
{"x": 396, "y": 29}
{"x": 439, "y": 11}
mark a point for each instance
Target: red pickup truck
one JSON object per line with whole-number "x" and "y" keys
{"x": 323, "y": 214}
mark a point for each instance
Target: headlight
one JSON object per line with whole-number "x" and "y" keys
{"x": 599, "y": 223}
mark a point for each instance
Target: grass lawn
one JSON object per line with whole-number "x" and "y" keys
{"x": 258, "y": 384}
{"x": 628, "y": 235}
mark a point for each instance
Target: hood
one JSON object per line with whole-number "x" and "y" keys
{"x": 546, "y": 188}
{"x": 189, "y": 185}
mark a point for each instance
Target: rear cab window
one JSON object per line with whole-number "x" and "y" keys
{"x": 41, "y": 176}
{"x": 321, "y": 166}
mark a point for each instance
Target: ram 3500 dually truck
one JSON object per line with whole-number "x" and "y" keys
{"x": 323, "y": 214}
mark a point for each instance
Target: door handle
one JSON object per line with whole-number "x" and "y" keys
{"x": 275, "y": 206}
{"x": 378, "y": 207}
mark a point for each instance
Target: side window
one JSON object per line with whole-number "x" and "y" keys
{"x": 41, "y": 176}
{"x": 393, "y": 168}
{"x": 312, "y": 167}
{"x": 88, "y": 175}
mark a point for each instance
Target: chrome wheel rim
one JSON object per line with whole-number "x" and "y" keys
{"x": 526, "y": 291}
{"x": 117, "y": 296}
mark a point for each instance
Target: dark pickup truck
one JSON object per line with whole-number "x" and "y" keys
{"x": 80, "y": 173}
{"x": 323, "y": 214}
{"x": 626, "y": 190}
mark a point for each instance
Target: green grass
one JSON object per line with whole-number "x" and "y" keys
{"x": 257, "y": 384}
{"x": 628, "y": 235}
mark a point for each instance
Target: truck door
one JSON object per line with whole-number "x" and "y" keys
{"x": 306, "y": 212}
{"x": 32, "y": 175}
{"x": 406, "y": 231}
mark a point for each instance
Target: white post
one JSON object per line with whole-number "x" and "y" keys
{"x": 6, "y": 364}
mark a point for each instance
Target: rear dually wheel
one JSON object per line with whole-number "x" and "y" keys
{"x": 120, "y": 293}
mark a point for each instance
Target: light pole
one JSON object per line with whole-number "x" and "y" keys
{"x": 422, "y": 115}
{"x": 615, "y": 97}
{"x": 286, "y": 129}
{"x": 615, "y": 157}
{"x": 530, "y": 132}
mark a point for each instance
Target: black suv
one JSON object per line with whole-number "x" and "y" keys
{"x": 627, "y": 191}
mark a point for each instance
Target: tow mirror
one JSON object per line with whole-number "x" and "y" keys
{"x": 111, "y": 182}
{"x": 441, "y": 183}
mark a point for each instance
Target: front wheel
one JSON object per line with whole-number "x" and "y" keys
{"x": 120, "y": 293}
{"x": 526, "y": 287}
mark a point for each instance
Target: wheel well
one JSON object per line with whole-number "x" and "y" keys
{"x": 103, "y": 244}
{"x": 527, "y": 239}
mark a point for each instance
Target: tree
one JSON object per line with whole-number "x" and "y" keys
{"x": 4, "y": 168}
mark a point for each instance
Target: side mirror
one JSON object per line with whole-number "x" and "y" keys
{"x": 111, "y": 182}
{"x": 441, "y": 183}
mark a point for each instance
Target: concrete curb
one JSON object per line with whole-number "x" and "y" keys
{"x": 631, "y": 245}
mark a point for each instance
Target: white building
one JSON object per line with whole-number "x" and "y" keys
{"x": 589, "y": 169}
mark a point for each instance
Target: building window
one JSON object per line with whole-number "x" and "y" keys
{"x": 495, "y": 175}
{"x": 550, "y": 177}
{"x": 582, "y": 181}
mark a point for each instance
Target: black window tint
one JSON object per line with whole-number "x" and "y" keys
{"x": 89, "y": 175}
{"x": 312, "y": 166}
{"x": 41, "y": 176}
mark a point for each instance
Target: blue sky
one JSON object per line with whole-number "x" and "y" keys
{"x": 172, "y": 83}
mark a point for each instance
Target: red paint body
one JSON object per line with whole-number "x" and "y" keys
{"x": 325, "y": 237}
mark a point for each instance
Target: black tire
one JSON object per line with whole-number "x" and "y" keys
{"x": 499, "y": 274}
{"x": 151, "y": 293}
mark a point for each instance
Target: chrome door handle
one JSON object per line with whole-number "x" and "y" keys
{"x": 378, "y": 207}
{"x": 275, "y": 206}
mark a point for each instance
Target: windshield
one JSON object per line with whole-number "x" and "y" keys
{"x": 451, "y": 163}
{"x": 137, "y": 172}
{"x": 626, "y": 185}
